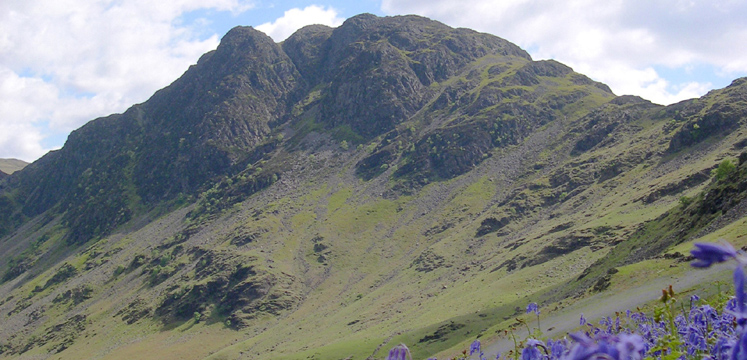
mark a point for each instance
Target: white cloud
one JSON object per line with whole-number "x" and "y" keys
{"x": 645, "y": 82}
{"x": 618, "y": 42}
{"x": 22, "y": 98}
{"x": 64, "y": 62}
{"x": 296, "y": 18}
{"x": 21, "y": 141}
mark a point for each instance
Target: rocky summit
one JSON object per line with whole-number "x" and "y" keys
{"x": 390, "y": 180}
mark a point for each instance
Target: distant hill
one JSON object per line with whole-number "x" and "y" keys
{"x": 390, "y": 180}
{"x": 10, "y": 166}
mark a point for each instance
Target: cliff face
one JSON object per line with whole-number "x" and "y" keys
{"x": 178, "y": 141}
{"x": 377, "y": 73}
{"x": 345, "y": 185}
{"x": 360, "y": 80}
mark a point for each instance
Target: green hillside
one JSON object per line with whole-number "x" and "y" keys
{"x": 9, "y": 166}
{"x": 390, "y": 180}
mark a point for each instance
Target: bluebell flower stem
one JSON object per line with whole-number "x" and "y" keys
{"x": 516, "y": 345}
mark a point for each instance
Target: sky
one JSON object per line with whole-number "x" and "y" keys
{"x": 66, "y": 62}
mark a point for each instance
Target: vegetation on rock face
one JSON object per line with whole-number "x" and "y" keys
{"x": 230, "y": 286}
{"x": 391, "y": 180}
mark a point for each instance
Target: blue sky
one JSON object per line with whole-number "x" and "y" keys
{"x": 268, "y": 11}
{"x": 66, "y": 62}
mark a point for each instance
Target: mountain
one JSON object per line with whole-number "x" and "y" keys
{"x": 9, "y": 166}
{"x": 390, "y": 180}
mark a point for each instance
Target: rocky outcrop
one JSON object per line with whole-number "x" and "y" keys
{"x": 233, "y": 286}
{"x": 702, "y": 121}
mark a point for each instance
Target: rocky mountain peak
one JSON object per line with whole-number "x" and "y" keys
{"x": 377, "y": 72}
{"x": 305, "y": 48}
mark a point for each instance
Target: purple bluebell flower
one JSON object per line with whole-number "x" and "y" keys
{"x": 702, "y": 316}
{"x": 630, "y": 347}
{"x": 399, "y": 352}
{"x": 532, "y": 307}
{"x": 582, "y": 320}
{"x": 584, "y": 347}
{"x": 617, "y": 324}
{"x": 693, "y": 299}
{"x": 497, "y": 356}
{"x": 739, "y": 351}
{"x": 475, "y": 347}
{"x": 694, "y": 340}
{"x": 707, "y": 254}
{"x": 607, "y": 345}
{"x": 722, "y": 348}
{"x": 622, "y": 347}
{"x": 557, "y": 348}
{"x": 739, "y": 290}
{"x": 731, "y": 305}
{"x": 531, "y": 352}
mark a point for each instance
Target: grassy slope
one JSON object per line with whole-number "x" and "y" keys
{"x": 10, "y": 166}
{"x": 440, "y": 296}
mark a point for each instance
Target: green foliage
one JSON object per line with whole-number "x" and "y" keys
{"x": 25, "y": 260}
{"x": 101, "y": 201}
{"x": 119, "y": 270}
{"x": 65, "y": 272}
{"x": 371, "y": 147}
{"x": 347, "y": 134}
{"x": 669, "y": 344}
{"x": 234, "y": 189}
{"x": 75, "y": 296}
{"x": 719, "y": 300}
{"x": 724, "y": 168}
{"x": 161, "y": 268}
{"x": 685, "y": 201}
{"x": 10, "y": 217}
